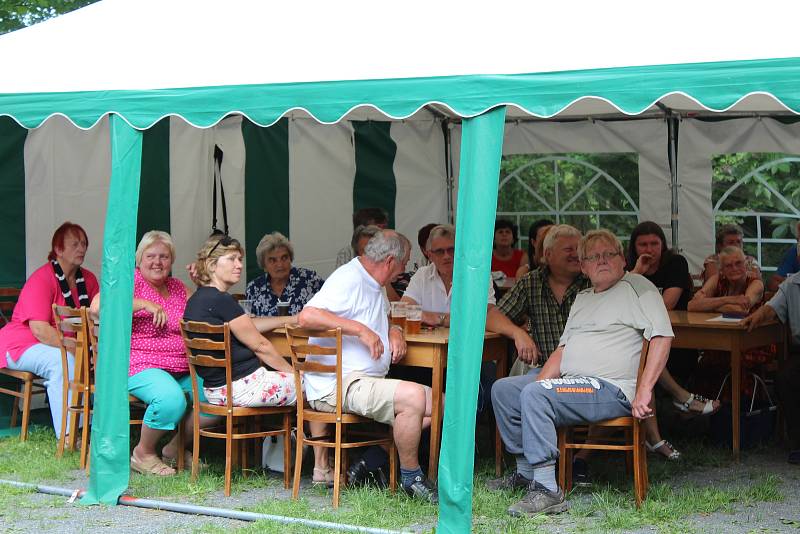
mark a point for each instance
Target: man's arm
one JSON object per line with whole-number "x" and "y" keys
{"x": 317, "y": 318}
{"x": 496, "y": 321}
{"x": 656, "y": 360}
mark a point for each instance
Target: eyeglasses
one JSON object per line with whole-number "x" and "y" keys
{"x": 594, "y": 258}
{"x": 441, "y": 251}
{"x": 225, "y": 241}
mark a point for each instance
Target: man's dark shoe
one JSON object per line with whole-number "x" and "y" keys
{"x": 357, "y": 473}
{"x": 421, "y": 488}
{"x": 580, "y": 473}
{"x": 511, "y": 482}
{"x": 539, "y": 500}
{"x": 794, "y": 457}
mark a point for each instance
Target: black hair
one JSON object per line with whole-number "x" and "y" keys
{"x": 648, "y": 228}
{"x": 532, "y": 231}
{"x": 505, "y": 223}
{"x": 367, "y": 216}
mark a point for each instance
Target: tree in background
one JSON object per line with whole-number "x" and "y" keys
{"x": 21, "y": 13}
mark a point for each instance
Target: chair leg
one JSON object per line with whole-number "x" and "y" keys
{"x": 87, "y": 413}
{"x": 287, "y": 444}
{"x": 64, "y": 412}
{"x": 637, "y": 468}
{"x": 181, "y": 446}
{"x": 27, "y": 392}
{"x": 337, "y": 465}
{"x": 392, "y": 466}
{"x": 15, "y": 406}
{"x": 228, "y": 454}
{"x": 629, "y": 462}
{"x": 244, "y": 447}
{"x": 298, "y": 459}
{"x": 195, "y": 441}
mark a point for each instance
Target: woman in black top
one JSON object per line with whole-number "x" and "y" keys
{"x": 669, "y": 272}
{"x": 261, "y": 377}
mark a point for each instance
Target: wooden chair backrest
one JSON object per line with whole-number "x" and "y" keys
{"x": 201, "y": 346}
{"x": 300, "y": 346}
{"x": 72, "y": 323}
{"x": 8, "y": 299}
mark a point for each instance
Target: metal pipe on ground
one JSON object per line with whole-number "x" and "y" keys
{"x": 202, "y": 510}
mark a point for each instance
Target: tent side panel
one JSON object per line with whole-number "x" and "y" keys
{"x": 154, "y": 208}
{"x": 375, "y": 185}
{"x": 12, "y": 191}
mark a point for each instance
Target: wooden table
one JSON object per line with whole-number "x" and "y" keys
{"x": 693, "y": 330}
{"x": 429, "y": 349}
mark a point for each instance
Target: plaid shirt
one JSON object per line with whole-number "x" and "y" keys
{"x": 532, "y": 297}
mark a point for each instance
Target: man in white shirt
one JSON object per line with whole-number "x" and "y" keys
{"x": 352, "y": 298}
{"x": 432, "y": 285}
{"x": 591, "y": 376}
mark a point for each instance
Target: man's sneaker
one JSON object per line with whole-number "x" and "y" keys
{"x": 539, "y": 500}
{"x": 580, "y": 473}
{"x": 421, "y": 488}
{"x": 513, "y": 481}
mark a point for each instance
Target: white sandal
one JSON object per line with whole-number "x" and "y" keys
{"x": 673, "y": 456}
{"x": 685, "y": 407}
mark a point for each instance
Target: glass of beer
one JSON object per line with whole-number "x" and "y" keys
{"x": 398, "y": 314}
{"x": 283, "y": 308}
{"x": 247, "y": 306}
{"x": 413, "y": 318}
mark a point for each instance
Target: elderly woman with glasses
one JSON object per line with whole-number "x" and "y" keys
{"x": 261, "y": 377}
{"x": 281, "y": 281}
{"x": 734, "y": 289}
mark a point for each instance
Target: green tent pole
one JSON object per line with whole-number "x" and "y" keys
{"x": 481, "y": 149}
{"x": 110, "y": 432}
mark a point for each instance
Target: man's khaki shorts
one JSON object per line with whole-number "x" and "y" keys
{"x": 368, "y": 396}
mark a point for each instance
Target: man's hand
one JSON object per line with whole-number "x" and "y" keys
{"x": 527, "y": 350}
{"x": 372, "y": 341}
{"x": 397, "y": 344}
{"x": 760, "y": 316}
{"x": 159, "y": 315}
{"x": 430, "y": 318}
{"x": 641, "y": 404}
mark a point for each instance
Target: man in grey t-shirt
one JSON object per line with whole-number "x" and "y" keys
{"x": 591, "y": 376}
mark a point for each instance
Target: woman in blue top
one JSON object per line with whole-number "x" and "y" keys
{"x": 280, "y": 281}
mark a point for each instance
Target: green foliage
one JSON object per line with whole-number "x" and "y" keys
{"x": 550, "y": 186}
{"x": 763, "y": 175}
{"x": 16, "y": 14}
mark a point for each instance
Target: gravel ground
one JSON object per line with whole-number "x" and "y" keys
{"x": 42, "y": 513}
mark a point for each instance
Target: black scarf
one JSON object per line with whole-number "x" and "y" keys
{"x": 66, "y": 292}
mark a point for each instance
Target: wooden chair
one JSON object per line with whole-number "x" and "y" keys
{"x": 632, "y": 445}
{"x": 204, "y": 344}
{"x": 300, "y": 348}
{"x": 71, "y": 324}
{"x": 30, "y": 384}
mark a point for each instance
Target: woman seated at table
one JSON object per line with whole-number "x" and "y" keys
{"x": 536, "y": 234}
{"x": 728, "y": 235}
{"x": 30, "y": 341}
{"x": 261, "y": 377}
{"x": 281, "y": 281}
{"x": 159, "y": 373}
{"x": 734, "y": 289}
{"x": 669, "y": 272}
{"x": 505, "y": 257}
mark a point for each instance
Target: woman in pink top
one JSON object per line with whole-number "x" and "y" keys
{"x": 159, "y": 371}
{"x": 30, "y": 341}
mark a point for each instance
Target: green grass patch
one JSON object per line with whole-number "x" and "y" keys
{"x": 35, "y": 460}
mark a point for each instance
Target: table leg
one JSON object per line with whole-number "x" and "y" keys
{"x": 437, "y": 385}
{"x": 736, "y": 392}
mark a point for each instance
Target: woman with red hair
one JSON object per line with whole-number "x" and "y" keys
{"x": 30, "y": 341}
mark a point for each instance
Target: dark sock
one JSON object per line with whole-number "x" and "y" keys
{"x": 408, "y": 476}
{"x": 375, "y": 457}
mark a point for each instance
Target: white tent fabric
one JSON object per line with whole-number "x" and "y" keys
{"x": 250, "y": 40}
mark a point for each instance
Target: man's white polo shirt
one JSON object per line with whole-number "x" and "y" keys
{"x": 427, "y": 289}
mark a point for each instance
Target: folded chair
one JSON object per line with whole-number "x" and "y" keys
{"x": 298, "y": 339}
{"x": 632, "y": 444}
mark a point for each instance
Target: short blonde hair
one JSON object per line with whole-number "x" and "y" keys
{"x": 556, "y": 231}
{"x": 271, "y": 242}
{"x": 149, "y": 239}
{"x": 212, "y": 250}
{"x": 598, "y": 235}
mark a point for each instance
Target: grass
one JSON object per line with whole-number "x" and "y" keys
{"x": 608, "y": 507}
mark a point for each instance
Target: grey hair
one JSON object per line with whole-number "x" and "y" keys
{"x": 151, "y": 237}
{"x": 598, "y": 235}
{"x": 728, "y": 229}
{"x": 362, "y": 231}
{"x": 556, "y": 231}
{"x": 385, "y": 244}
{"x": 270, "y": 242}
{"x": 443, "y": 230}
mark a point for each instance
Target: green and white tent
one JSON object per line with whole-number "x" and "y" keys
{"x": 108, "y": 114}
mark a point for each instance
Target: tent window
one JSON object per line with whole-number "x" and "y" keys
{"x": 587, "y": 191}
{"x": 758, "y": 191}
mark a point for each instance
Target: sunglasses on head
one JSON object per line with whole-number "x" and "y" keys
{"x": 225, "y": 241}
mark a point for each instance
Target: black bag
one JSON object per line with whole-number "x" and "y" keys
{"x": 218, "y": 154}
{"x": 756, "y": 421}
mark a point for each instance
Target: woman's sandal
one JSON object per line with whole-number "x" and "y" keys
{"x": 152, "y": 466}
{"x": 672, "y": 456}
{"x": 686, "y": 407}
{"x": 322, "y": 477}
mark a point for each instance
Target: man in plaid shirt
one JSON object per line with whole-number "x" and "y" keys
{"x": 544, "y": 297}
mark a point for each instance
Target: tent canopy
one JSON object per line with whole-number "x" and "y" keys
{"x": 147, "y": 59}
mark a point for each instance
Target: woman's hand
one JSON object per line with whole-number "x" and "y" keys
{"x": 643, "y": 264}
{"x": 159, "y": 315}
